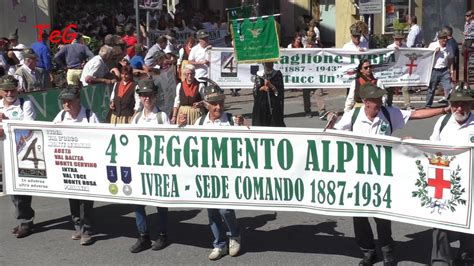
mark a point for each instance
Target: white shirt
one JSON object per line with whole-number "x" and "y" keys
{"x": 393, "y": 46}
{"x": 21, "y": 81}
{"x": 350, "y": 46}
{"x": 177, "y": 101}
{"x": 222, "y": 121}
{"x": 441, "y": 57}
{"x": 81, "y": 117}
{"x": 350, "y": 102}
{"x": 19, "y": 54}
{"x": 96, "y": 67}
{"x": 453, "y": 132}
{"x": 198, "y": 53}
{"x": 15, "y": 112}
{"x": 152, "y": 118}
{"x": 415, "y": 35}
{"x": 380, "y": 125}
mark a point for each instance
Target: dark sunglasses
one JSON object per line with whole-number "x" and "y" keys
{"x": 367, "y": 67}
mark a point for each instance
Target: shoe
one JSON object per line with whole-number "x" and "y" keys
{"x": 23, "y": 232}
{"x": 15, "y": 230}
{"x": 86, "y": 239}
{"x": 160, "y": 242}
{"x": 370, "y": 257}
{"x": 143, "y": 243}
{"x": 76, "y": 236}
{"x": 443, "y": 100}
{"x": 388, "y": 255}
{"x": 323, "y": 115}
{"x": 218, "y": 253}
{"x": 234, "y": 246}
{"x": 428, "y": 107}
{"x": 308, "y": 115}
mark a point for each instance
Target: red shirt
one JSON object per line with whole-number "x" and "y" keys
{"x": 130, "y": 41}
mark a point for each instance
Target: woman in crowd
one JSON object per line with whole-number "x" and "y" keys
{"x": 122, "y": 99}
{"x": 189, "y": 96}
{"x": 183, "y": 56}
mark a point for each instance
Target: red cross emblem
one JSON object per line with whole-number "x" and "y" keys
{"x": 439, "y": 183}
{"x": 411, "y": 66}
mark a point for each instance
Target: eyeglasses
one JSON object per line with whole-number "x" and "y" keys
{"x": 367, "y": 67}
{"x": 146, "y": 94}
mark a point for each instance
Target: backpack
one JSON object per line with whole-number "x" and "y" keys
{"x": 88, "y": 115}
{"x": 158, "y": 117}
{"x": 444, "y": 122}
{"x": 384, "y": 111}
{"x": 229, "y": 118}
{"x": 22, "y": 101}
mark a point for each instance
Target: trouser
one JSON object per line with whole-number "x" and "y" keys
{"x": 389, "y": 99}
{"x": 215, "y": 221}
{"x": 441, "y": 249}
{"x": 140, "y": 219}
{"x": 73, "y": 76}
{"x": 81, "y": 214}
{"x": 24, "y": 214}
{"x": 438, "y": 77}
{"x": 365, "y": 237}
{"x": 307, "y": 101}
{"x": 406, "y": 96}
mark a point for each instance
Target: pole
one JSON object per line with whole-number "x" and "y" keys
{"x": 137, "y": 22}
{"x": 148, "y": 27}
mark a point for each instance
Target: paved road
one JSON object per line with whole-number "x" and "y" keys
{"x": 269, "y": 238}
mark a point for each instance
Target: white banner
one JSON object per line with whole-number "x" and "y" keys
{"x": 280, "y": 169}
{"x": 216, "y": 37}
{"x": 327, "y": 68}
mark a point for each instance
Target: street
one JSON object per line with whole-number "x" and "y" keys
{"x": 268, "y": 238}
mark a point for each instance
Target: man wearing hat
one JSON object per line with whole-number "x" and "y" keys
{"x": 17, "y": 46}
{"x": 456, "y": 127}
{"x": 441, "y": 73}
{"x": 14, "y": 108}
{"x": 468, "y": 29}
{"x": 73, "y": 57}
{"x": 374, "y": 119}
{"x": 73, "y": 112}
{"x": 216, "y": 117}
{"x": 355, "y": 44}
{"x": 199, "y": 55}
{"x": 150, "y": 116}
{"x": 398, "y": 38}
{"x": 31, "y": 77}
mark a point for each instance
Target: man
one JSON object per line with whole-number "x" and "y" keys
{"x": 199, "y": 55}
{"x": 30, "y": 76}
{"x": 96, "y": 70}
{"x": 214, "y": 98}
{"x": 73, "y": 57}
{"x": 17, "y": 46}
{"x": 398, "y": 38}
{"x": 441, "y": 69}
{"x": 468, "y": 29}
{"x": 14, "y": 108}
{"x": 452, "y": 45}
{"x": 44, "y": 59}
{"x": 269, "y": 96}
{"x": 81, "y": 210}
{"x": 456, "y": 127}
{"x": 415, "y": 34}
{"x": 159, "y": 46}
{"x": 310, "y": 43}
{"x": 355, "y": 44}
{"x": 374, "y": 119}
{"x": 130, "y": 39}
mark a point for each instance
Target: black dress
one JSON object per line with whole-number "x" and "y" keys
{"x": 268, "y": 106}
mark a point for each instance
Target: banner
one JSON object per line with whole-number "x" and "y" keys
{"x": 327, "y": 68}
{"x": 255, "y": 41}
{"x": 216, "y": 36}
{"x": 280, "y": 169}
{"x": 47, "y": 104}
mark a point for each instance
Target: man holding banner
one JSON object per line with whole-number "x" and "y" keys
{"x": 14, "y": 108}
{"x": 374, "y": 119}
{"x": 456, "y": 127}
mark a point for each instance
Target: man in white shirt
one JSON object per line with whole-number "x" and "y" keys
{"x": 374, "y": 119}
{"x": 355, "y": 44}
{"x": 29, "y": 76}
{"x": 216, "y": 117}
{"x": 441, "y": 69}
{"x": 81, "y": 210}
{"x": 14, "y": 108}
{"x": 456, "y": 127}
{"x": 96, "y": 69}
{"x": 398, "y": 38}
{"x": 199, "y": 55}
{"x": 415, "y": 35}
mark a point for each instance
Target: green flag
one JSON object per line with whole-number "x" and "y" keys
{"x": 255, "y": 41}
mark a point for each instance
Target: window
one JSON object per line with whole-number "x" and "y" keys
{"x": 394, "y": 15}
